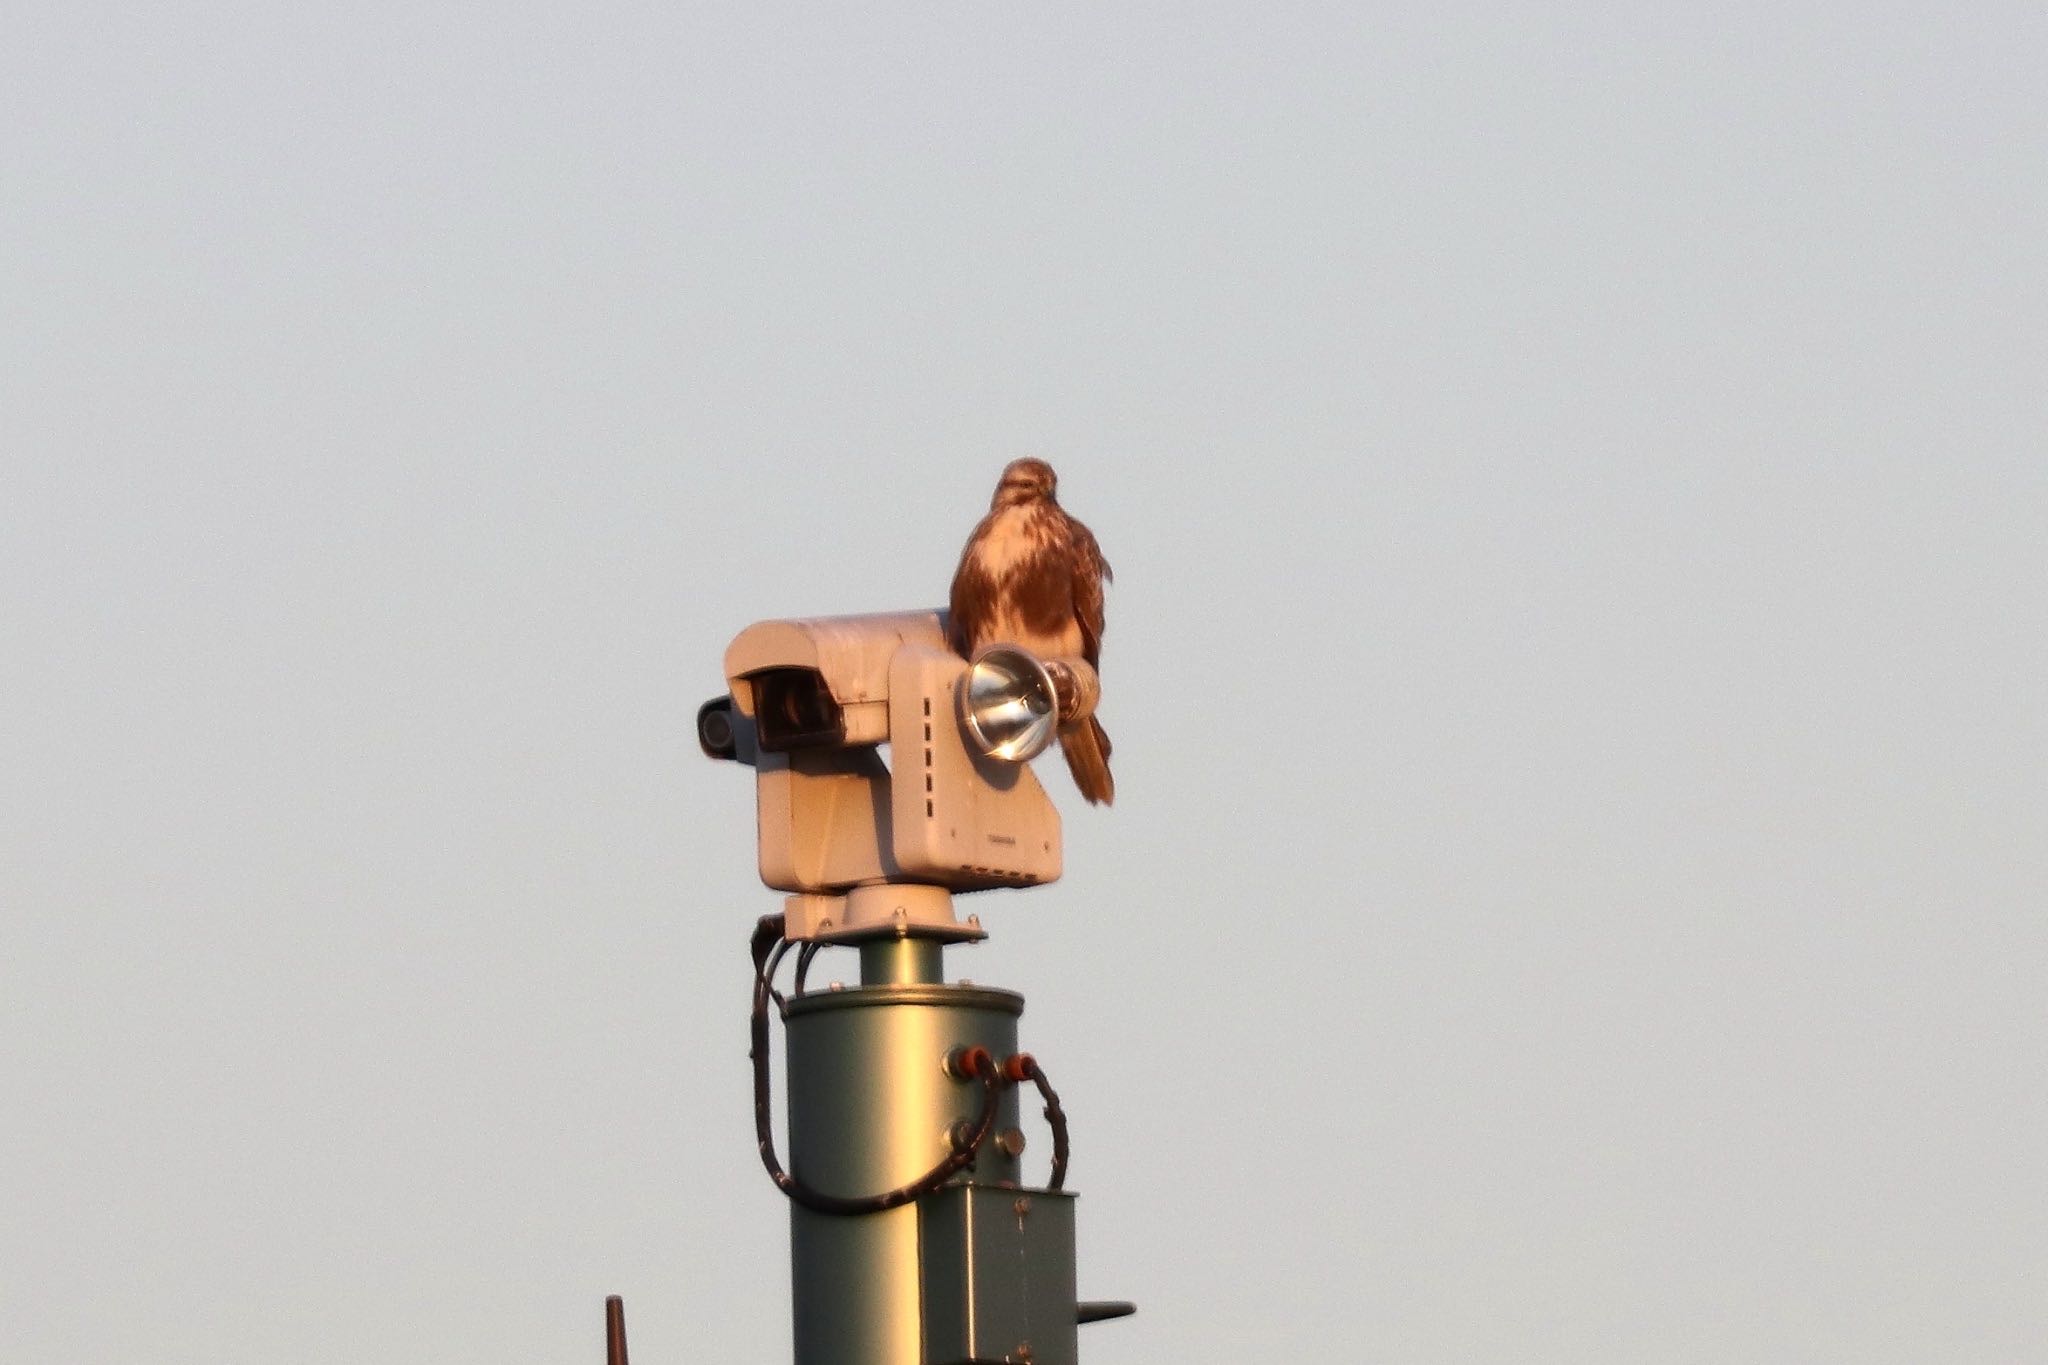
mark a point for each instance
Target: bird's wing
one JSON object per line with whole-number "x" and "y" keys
{"x": 1091, "y": 571}
{"x": 967, "y": 612}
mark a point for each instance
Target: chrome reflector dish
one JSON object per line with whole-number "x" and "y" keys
{"x": 1007, "y": 703}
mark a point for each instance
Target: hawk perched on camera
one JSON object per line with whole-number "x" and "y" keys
{"x": 1031, "y": 575}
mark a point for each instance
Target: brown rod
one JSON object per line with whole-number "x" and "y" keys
{"x": 615, "y": 1331}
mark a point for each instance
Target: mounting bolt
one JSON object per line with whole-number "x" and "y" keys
{"x": 1010, "y": 1142}
{"x": 1021, "y": 1207}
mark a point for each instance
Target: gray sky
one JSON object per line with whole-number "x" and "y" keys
{"x": 1577, "y": 477}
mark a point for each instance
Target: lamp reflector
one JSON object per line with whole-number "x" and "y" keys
{"x": 1008, "y": 704}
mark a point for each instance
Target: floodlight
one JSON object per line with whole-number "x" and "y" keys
{"x": 1008, "y": 703}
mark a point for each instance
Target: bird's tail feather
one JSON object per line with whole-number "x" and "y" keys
{"x": 1087, "y": 749}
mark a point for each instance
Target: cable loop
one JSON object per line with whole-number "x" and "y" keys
{"x": 768, "y": 948}
{"x": 1023, "y": 1066}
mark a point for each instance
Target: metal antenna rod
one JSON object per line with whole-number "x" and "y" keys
{"x": 615, "y": 1331}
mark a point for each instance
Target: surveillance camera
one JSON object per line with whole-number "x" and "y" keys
{"x": 953, "y": 806}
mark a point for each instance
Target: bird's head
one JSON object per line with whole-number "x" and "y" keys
{"x": 1025, "y": 481}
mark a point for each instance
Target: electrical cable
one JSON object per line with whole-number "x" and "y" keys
{"x": 1024, "y": 1066}
{"x": 974, "y": 1063}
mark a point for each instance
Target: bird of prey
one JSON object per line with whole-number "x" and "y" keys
{"x": 1032, "y": 576}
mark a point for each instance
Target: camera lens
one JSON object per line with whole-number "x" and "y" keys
{"x": 714, "y": 728}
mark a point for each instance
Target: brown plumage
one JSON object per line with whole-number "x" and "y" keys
{"x": 1031, "y": 575}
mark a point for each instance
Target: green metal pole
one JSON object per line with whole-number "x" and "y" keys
{"x": 870, "y": 1107}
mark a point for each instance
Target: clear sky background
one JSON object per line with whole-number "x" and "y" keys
{"x": 1577, "y": 476}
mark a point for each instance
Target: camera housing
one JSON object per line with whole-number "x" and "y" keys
{"x": 853, "y": 835}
